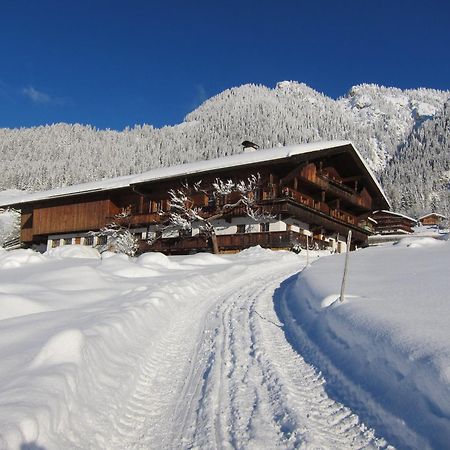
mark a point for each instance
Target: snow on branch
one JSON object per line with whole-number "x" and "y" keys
{"x": 184, "y": 211}
{"x": 118, "y": 237}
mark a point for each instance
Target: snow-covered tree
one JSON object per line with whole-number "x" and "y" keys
{"x": 225, "y": 197}
{"x": 417, "y": 179}
{"x": 118, "y": 237}
{"x": 9, "y": 225}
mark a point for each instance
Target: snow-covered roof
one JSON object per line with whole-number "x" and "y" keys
{"x": 237, "y": 160}
{"x": 395, "y": 214}
{"x": 432, "y": 214}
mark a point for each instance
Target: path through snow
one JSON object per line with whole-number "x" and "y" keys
{"x": 224, "y": 376}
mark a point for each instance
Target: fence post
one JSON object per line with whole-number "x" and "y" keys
{"x": 344, "y": 277}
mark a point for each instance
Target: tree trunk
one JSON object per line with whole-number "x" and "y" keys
{"x": 215, "y": 245}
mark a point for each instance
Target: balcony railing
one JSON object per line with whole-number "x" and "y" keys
{"x": 233, "y": 242}
{"x": 267, "y": 202}
{"x": 319, "y": 206}
{"x": 336, "y": 188}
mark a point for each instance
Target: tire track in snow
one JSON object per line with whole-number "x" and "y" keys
{"x": 146, "y": 420}
{"x": 257, "y": 392}
{"x": 224, "y": 376}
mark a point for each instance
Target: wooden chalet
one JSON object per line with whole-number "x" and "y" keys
{"x": 389, "y": 222}
{"x": 318, "y": 190}
{"x": 432, "y": 219}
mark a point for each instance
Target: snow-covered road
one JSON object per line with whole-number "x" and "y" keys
{"x": 223, "y": 376}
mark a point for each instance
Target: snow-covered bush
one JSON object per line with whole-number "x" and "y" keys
{"x": 119, "y": 238}
{"x": 9, "y": 225}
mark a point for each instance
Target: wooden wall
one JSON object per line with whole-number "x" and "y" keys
{"x": 26, "y": 225}
{"x": 431, "y": 220}
{"x": 64, "y": 218}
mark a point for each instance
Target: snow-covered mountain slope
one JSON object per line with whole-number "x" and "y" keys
{"x": 378, "y": 119}
{"x": 391, "y": 114}
{"x": 422, "y": 164}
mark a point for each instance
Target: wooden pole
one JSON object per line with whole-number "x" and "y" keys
{"x": 344, "y": 277}
{"x": 307, "y": 250}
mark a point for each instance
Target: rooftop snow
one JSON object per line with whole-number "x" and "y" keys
{"x": 432, "y": 214}
{"x": 241, "y": 159}
{"x": 392, "y": 213}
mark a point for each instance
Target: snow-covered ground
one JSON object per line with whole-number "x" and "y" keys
{"x": 385, "y": 351}
{"x": 236, "y": 351}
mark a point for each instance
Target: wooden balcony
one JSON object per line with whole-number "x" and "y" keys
{"x": 232, "y": 242}
{"x": 335, "y": 188}
{"x": 304, "y": 199}
{"x": 291, "y": 202}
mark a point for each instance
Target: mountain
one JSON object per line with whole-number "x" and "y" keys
{"x": 417, "y": 178}
{"x": 383, "y": 123}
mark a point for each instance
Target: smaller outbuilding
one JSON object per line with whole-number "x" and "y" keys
{"x": 432, "y": 219}
{"x": 389, "y": 222}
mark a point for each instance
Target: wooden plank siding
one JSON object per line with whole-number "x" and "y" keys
{"x": 331, "y": 183}
{"x": 391, "y": 223}
{"x": 79, "y": 216}
{"x": 26, "y": 225}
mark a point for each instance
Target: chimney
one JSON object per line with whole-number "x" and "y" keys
{"x": 249, "y": 146}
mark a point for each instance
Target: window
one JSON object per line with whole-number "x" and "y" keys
{"x": 67, "y": 241}
{"x": 264, "y": 227}
{"x": 101, "y": 240}
{"x": 240, "y": 229}
{"x": 156, "y": 206}
{"x": 89, "y": 240}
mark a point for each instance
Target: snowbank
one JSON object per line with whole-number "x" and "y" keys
{"x": 386, "y": 349}
{"x": 73, "y": 251}
{"x": 18, "y": 258}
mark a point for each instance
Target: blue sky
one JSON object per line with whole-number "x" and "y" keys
{"x": 114, "y": 64}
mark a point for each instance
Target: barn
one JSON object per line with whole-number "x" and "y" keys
{"x": 315, "y": 192}
{"x": 432, "y": 219}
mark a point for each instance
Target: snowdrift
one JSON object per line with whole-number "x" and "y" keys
{"x": 76, "y": 329}
{"x": 385, "y": 350}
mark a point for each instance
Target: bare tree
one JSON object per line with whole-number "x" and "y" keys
{"x": 225, "y": 197}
